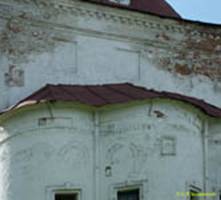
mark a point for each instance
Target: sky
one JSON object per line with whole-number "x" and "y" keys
{"x": 199, "y": 10}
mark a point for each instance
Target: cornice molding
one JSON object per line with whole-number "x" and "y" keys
{"x": 85, "y": 9}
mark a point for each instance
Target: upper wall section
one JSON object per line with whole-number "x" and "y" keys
{"x": 77, "y": 42}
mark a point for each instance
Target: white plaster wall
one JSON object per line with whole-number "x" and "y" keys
{"x": 131, "y": 146}
{"x": 39, "y": 156}
{"x": 94, "y": 45}
{"x": 3, "y": 66}
{"x": 214, "y": 161}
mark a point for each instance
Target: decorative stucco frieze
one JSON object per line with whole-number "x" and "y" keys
{"x": 137, "y": 154}
{"x": 51, "y": 9}
{"x": 76, "y": 8}
{"x": 74, "y": 153}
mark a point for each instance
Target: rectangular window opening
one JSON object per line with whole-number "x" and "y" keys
{"x": 66, "y": 196}
{"x": 194, "y": 193}
{"x": 132, "y": 194}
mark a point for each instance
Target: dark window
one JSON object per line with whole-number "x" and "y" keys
{"x": 66, "y": 196}
{"x": 128, "y": 195}
{"x": 193, "y": 195}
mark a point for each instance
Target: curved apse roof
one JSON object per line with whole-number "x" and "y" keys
{"x": 108, "y": 94}
{"x": 159, "y": 7}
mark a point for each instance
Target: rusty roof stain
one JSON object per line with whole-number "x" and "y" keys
{"x": 158, "y": 7}
{"x": 108, "y": 94}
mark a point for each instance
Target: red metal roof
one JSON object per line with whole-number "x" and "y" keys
{"x": 101, "y": 95}
{"x": 159, "y": 7}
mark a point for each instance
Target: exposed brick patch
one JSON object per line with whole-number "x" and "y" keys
{"x": 182, "y": 69}
{"x": 163, "y": 37}
{"x": 206, "y": 44}
{"x": 211, "y": 72}
{"x": 19, "y": 39}
{"x": 15, "y": 27}
{"x": 197, "y": 54}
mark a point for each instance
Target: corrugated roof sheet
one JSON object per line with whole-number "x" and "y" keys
{"x": 159, "y": 7}
{"x": 101, "y": 95}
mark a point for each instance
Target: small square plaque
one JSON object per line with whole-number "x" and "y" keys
{"x": 168, "y": 146}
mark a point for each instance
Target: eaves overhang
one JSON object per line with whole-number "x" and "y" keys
{"x": 108, "y": 94}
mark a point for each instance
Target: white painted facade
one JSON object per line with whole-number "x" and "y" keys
{"x": 67, "y": 146}
{"x": 47, "y": 148}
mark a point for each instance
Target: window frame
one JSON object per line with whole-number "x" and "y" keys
{"x": 67, "y": 187}
{"x": 129, "y": 190}
{"x": 163, "y": 151}
{"x": 141, "y": 185}
{"x": 75, "y": 192}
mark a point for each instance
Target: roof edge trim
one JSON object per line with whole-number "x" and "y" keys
{"x": 122, "y": 93}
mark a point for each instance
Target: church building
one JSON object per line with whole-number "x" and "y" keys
{"x": 108, "y": 100}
